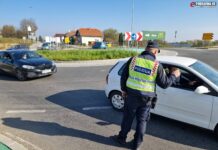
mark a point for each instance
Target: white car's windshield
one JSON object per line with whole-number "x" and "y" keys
{"x": 207, "y": 71}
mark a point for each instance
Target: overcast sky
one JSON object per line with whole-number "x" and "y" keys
{"x": 60, "y": 16}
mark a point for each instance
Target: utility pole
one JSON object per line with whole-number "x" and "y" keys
{"x": 133, "y": 5}
{"x": 132, "y": 22}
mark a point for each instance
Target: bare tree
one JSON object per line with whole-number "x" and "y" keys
{"x": 25, "y": 23}
{"x": 8, "y": 31}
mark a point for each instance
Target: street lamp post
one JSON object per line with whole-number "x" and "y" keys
{"x": 132, "y": 22}
{"x": 133, "y": 5}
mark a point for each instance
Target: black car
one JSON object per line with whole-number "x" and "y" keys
{"x": 26, "y": 64}
{"x": 19, "y": 47}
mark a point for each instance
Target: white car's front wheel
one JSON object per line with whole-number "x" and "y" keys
{"x": 117, "y": 100}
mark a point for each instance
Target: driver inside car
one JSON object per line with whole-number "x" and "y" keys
{"x": 186, "y": 82}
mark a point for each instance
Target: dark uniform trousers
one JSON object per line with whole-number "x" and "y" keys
{"x": 135, "y": 107}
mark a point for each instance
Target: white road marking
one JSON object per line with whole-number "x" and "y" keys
{"x": 97, "y": 108}
{"x": 25, "y": 111}
{"x": 22, "y": 140}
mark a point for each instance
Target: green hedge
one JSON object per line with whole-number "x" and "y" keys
{"x": 70, "y": 55}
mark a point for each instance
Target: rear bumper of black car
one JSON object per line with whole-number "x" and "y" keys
{"x": 35, "y": 73}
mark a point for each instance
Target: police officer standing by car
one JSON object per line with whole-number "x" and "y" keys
{"x": 138, "y": 85}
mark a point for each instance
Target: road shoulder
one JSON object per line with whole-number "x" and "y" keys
{"x": 10, "y": 144}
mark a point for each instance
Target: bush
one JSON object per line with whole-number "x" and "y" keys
{"x": 69, "y": 55}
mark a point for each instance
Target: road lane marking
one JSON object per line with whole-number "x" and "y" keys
{"x": 97, "y": 108}
{"x": 24, "y": 111}
{"x": 22, "y": 140}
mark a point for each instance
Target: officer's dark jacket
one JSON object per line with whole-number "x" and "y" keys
{"x": 163, "y": 80}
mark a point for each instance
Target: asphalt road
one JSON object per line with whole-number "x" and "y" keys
{"x": 62, "y": 112}
{"x": 208, "y": 56}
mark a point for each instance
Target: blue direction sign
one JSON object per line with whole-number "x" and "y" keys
{"x": 133, "y": 36}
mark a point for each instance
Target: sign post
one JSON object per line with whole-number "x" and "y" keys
{"x": 28, "y": 31}
{"x": 207, "y": 37}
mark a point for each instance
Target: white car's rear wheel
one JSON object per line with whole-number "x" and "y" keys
{"x": 117, "y": 100}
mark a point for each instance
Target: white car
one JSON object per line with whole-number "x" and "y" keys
{"x": 193, "y": 100}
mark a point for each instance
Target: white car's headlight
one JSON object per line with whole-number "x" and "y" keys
{"x": 28, "y": 67}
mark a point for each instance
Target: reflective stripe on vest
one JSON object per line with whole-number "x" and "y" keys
{"x": 142, "y": 75}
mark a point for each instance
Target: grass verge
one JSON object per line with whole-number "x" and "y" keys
{"x": 70, "y": 55}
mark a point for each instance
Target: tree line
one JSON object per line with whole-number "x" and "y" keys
{"x": 10, "y": 31}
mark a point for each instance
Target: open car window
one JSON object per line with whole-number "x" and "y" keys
{"x": 187, "y": 80}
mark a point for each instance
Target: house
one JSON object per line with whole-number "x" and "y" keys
{"x": 70, "y": 34}
{"x": 59, "y": 37}
{"x": 88, "y": 36}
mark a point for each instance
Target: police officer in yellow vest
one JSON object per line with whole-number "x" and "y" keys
{"x": 138, "y": 85}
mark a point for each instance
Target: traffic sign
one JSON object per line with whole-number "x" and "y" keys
{"x": 207, "y": 36}
{"x": 133, "y": 36}
{"x": 127, "y": 36}
{"x": 139, "y": 36}
{"x": 153, "y": 35}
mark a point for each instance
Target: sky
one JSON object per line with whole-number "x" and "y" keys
{"x": 61, "y": 16}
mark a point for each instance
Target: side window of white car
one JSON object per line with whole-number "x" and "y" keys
{"x": 187, "y": 80}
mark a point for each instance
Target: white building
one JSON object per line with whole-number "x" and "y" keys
{"x": 88, "y": 36}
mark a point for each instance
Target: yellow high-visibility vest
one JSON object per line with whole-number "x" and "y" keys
{"x": 142, "y": 75}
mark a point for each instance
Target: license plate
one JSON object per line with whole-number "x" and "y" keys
{"x": 46, "y": 71}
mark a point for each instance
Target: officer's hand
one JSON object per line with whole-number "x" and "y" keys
{"x": 124, "y": 94}
{"x": 176, "y": 72}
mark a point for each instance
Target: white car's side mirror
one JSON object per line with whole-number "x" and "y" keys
{"x": 202, "y": 90}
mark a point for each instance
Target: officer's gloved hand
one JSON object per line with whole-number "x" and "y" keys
{"x": 153, "y": 102}
{"x": 124, "y": 94}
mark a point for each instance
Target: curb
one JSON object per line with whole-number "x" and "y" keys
{"x": 106, "y": 62}
{"x": 10, "y": 144}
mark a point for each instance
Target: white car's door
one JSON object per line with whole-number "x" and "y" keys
{"x": 185, "y": 105}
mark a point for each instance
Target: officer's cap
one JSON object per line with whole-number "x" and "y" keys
{"x": 152, "y": 44}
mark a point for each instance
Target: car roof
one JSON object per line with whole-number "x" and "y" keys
{"x": 17, "y": 51}
{"x": 184, "y": 61}
{"x": 177, "y": 60}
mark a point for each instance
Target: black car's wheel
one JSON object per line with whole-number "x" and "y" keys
{"x": 20, "y": 75}
{"x": 117, "y": 100}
